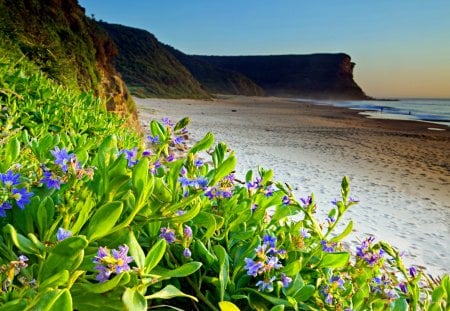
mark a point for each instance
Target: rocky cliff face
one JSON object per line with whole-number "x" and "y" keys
{"x": 308, "y": 76}
{"x": 67, "y": 46}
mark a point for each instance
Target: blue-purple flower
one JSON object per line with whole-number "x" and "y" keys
{"x": 9, "y": 179}
{"x": 178, "y": 140}
{"x": 22, "y": 197}
{"x": 167, "y": 121}
{"x": 108, "y": 263}
{"x": 306, "y": 201}
{"x": 130, "y": 155}
{"x": 285, "y": 280}
{"x": 187, "y": 232}
{"x": 328, "y": 247}
{"x": 304, "y": 233}
{"x": 366, "y": 252}
{"x": 167, "y": 234}
{"x": 4, "y": 207}
{"x": 198, "y": 163}
{"x": 253, "y": 267}
{"x": 51, "y": 181}
{"x": 62, "y": 158}
{"x": 266, "y": 284}
{"x": 286, "y": 200}
{"x": 63, "y": 234}
{"x": 153, "y": 139}
{"x": 187, "y": 253}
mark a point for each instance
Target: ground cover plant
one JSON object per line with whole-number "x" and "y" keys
{"x": 95, "y": 217}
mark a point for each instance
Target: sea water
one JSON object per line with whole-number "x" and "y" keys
{"x": 429, "y": 110}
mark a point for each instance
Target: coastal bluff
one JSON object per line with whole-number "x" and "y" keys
{"x": 153, "y": 69}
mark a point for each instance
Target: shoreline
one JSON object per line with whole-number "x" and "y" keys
{"x": 399, "y": 170}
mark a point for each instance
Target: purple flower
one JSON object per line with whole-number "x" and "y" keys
{"x": 170, "y": 158}
{"x": 269, "y": 191}
{"x": 391, "y": 293}
{"x": 270, "y": 240}
{"x": 403, "y": 287}
{"x": 253, "y": 267}
{"x": 153, "y": 139}
{"x": 51, "y": 181}
{"x": 62, "y": 158}
{"x": 122, "y": 259}
{"x": 3, "y": 207}
{"x": 335, "y": 201}
{"x": 304, "y": 233}
{"x": 330, "y": 219}
{"x": 285, "y": 280}
{"x": 272, "y": 263}
{"x": 353, "y": 200}
{"x": 107, "y": 263}
{"x": 286, "y": 200}
{"x": 9, "y": 179}
{"x": 265, "y": 285}
{"x": 201, "y": 182}
{"x": 198, "y": 163}
{"x": 167, "y": 121}
{"x": 413, "y": 271}
{"x": 178, "y": 140}
{"x": 167, "y": 234}
{"x": 187, "y": 253}
{"x": 22, "y": 197}
{"x": 146, "y": 153}
{"x": 184, "y": 181}
{"x": 62, "y": 234}
{"x": 328, "y": 247}
{"x": 130, "y": 155}
{"x": 187, "y": 231}
{"x": 254, "y": 207}
{"x": 336, "y": 282}
{"x": 306, "y": 201}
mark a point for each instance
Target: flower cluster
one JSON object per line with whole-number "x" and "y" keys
{"x": 333, "y": 288}
{"x": 169, "y": 236}
{"x": 224, "y": 188}
{"x": 64, "y": 166}
{"x": 370, "y": 254}
{"x": 108, "y": 262}
{"x": 267, "y": 264}
{"x": 12, "y": 190}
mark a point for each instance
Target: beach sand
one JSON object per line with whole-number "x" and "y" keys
{"x": 399, "y": 170}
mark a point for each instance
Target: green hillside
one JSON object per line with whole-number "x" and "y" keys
{"x": 147, "y": 68}
{"x": 67, "y": 46}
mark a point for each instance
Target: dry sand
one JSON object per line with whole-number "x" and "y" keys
{"x": 399, "y": 170}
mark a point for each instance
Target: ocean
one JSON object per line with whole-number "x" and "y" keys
{"x": 429, "y": 110}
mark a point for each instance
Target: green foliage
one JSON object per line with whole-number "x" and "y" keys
{"x": 94, "y": 218}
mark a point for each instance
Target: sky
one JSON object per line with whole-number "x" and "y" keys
{"x": 401, "y": 47}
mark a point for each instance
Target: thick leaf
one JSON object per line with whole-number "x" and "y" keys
{"x": 344, "y": 233}
{"x": 224, "y": 267}
{"x": 55, "y": 280}
{"x": 104, "y": 220}
{"x": 170, "y": 292}
{"x": 224, "y": 169}
{"x": 56, "y": 263}
{"x": 181, "y": 124}
{"x": 99, "y": 288}
{"x": 135, "y": 249}
{"x": 305, "y": 293}
{"x": 134, "y": 300}
{"x": 55, "y": 300}
{"x": 399, "y": 305}
{"x": 155, "y": 255}
{"x": 70, "y": 246}
{"x": 14, "y": 305}
{"x": 21, "y": 242}
{"x": 334, "y": 260}
{"x": 205, "y": 143}
{"x": 227, "y": 306}
{"x": 184, "y": 270}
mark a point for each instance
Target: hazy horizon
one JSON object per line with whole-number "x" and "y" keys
{"x": 401, "y": 49}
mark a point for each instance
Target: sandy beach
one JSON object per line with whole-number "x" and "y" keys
{"x": 399, "y": 170}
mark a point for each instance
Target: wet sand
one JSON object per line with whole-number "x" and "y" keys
{"x": 399, "y": 170}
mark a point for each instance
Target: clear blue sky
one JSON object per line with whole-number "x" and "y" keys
{"x": 401, "y": 47}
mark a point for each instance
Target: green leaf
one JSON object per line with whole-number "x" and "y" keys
{"x": 55, "y": 280}
{"x": 70, "y": 246}
{"x": 227, "y": 306}
{"x": 55, "y": 300}
{"x": 224, "y": 169}
{"x": 181, "y": 124}
{"x": 134, "y": 300}
{"x": 104, "y": 220}
{"x": 344, "y": 233}
{"x": 100, "y": 288}
{"x": 21, "y": 242}
{"x": 155, "y": 255}
{"x": 205, "y": 143}
{"x": 56, "y": 262}
{"x": 224, "y": 267}
{"x": 135, "y": 249}
{"x": 399, "y": 305}
{"x": 14, "y": 305}
{"x": 305, "y": 293}
{"x": 184, "y": 270}
{"x": 205, "y": 255}
{"x": 334, "y": 260}
{"x": 170, "y": 292}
